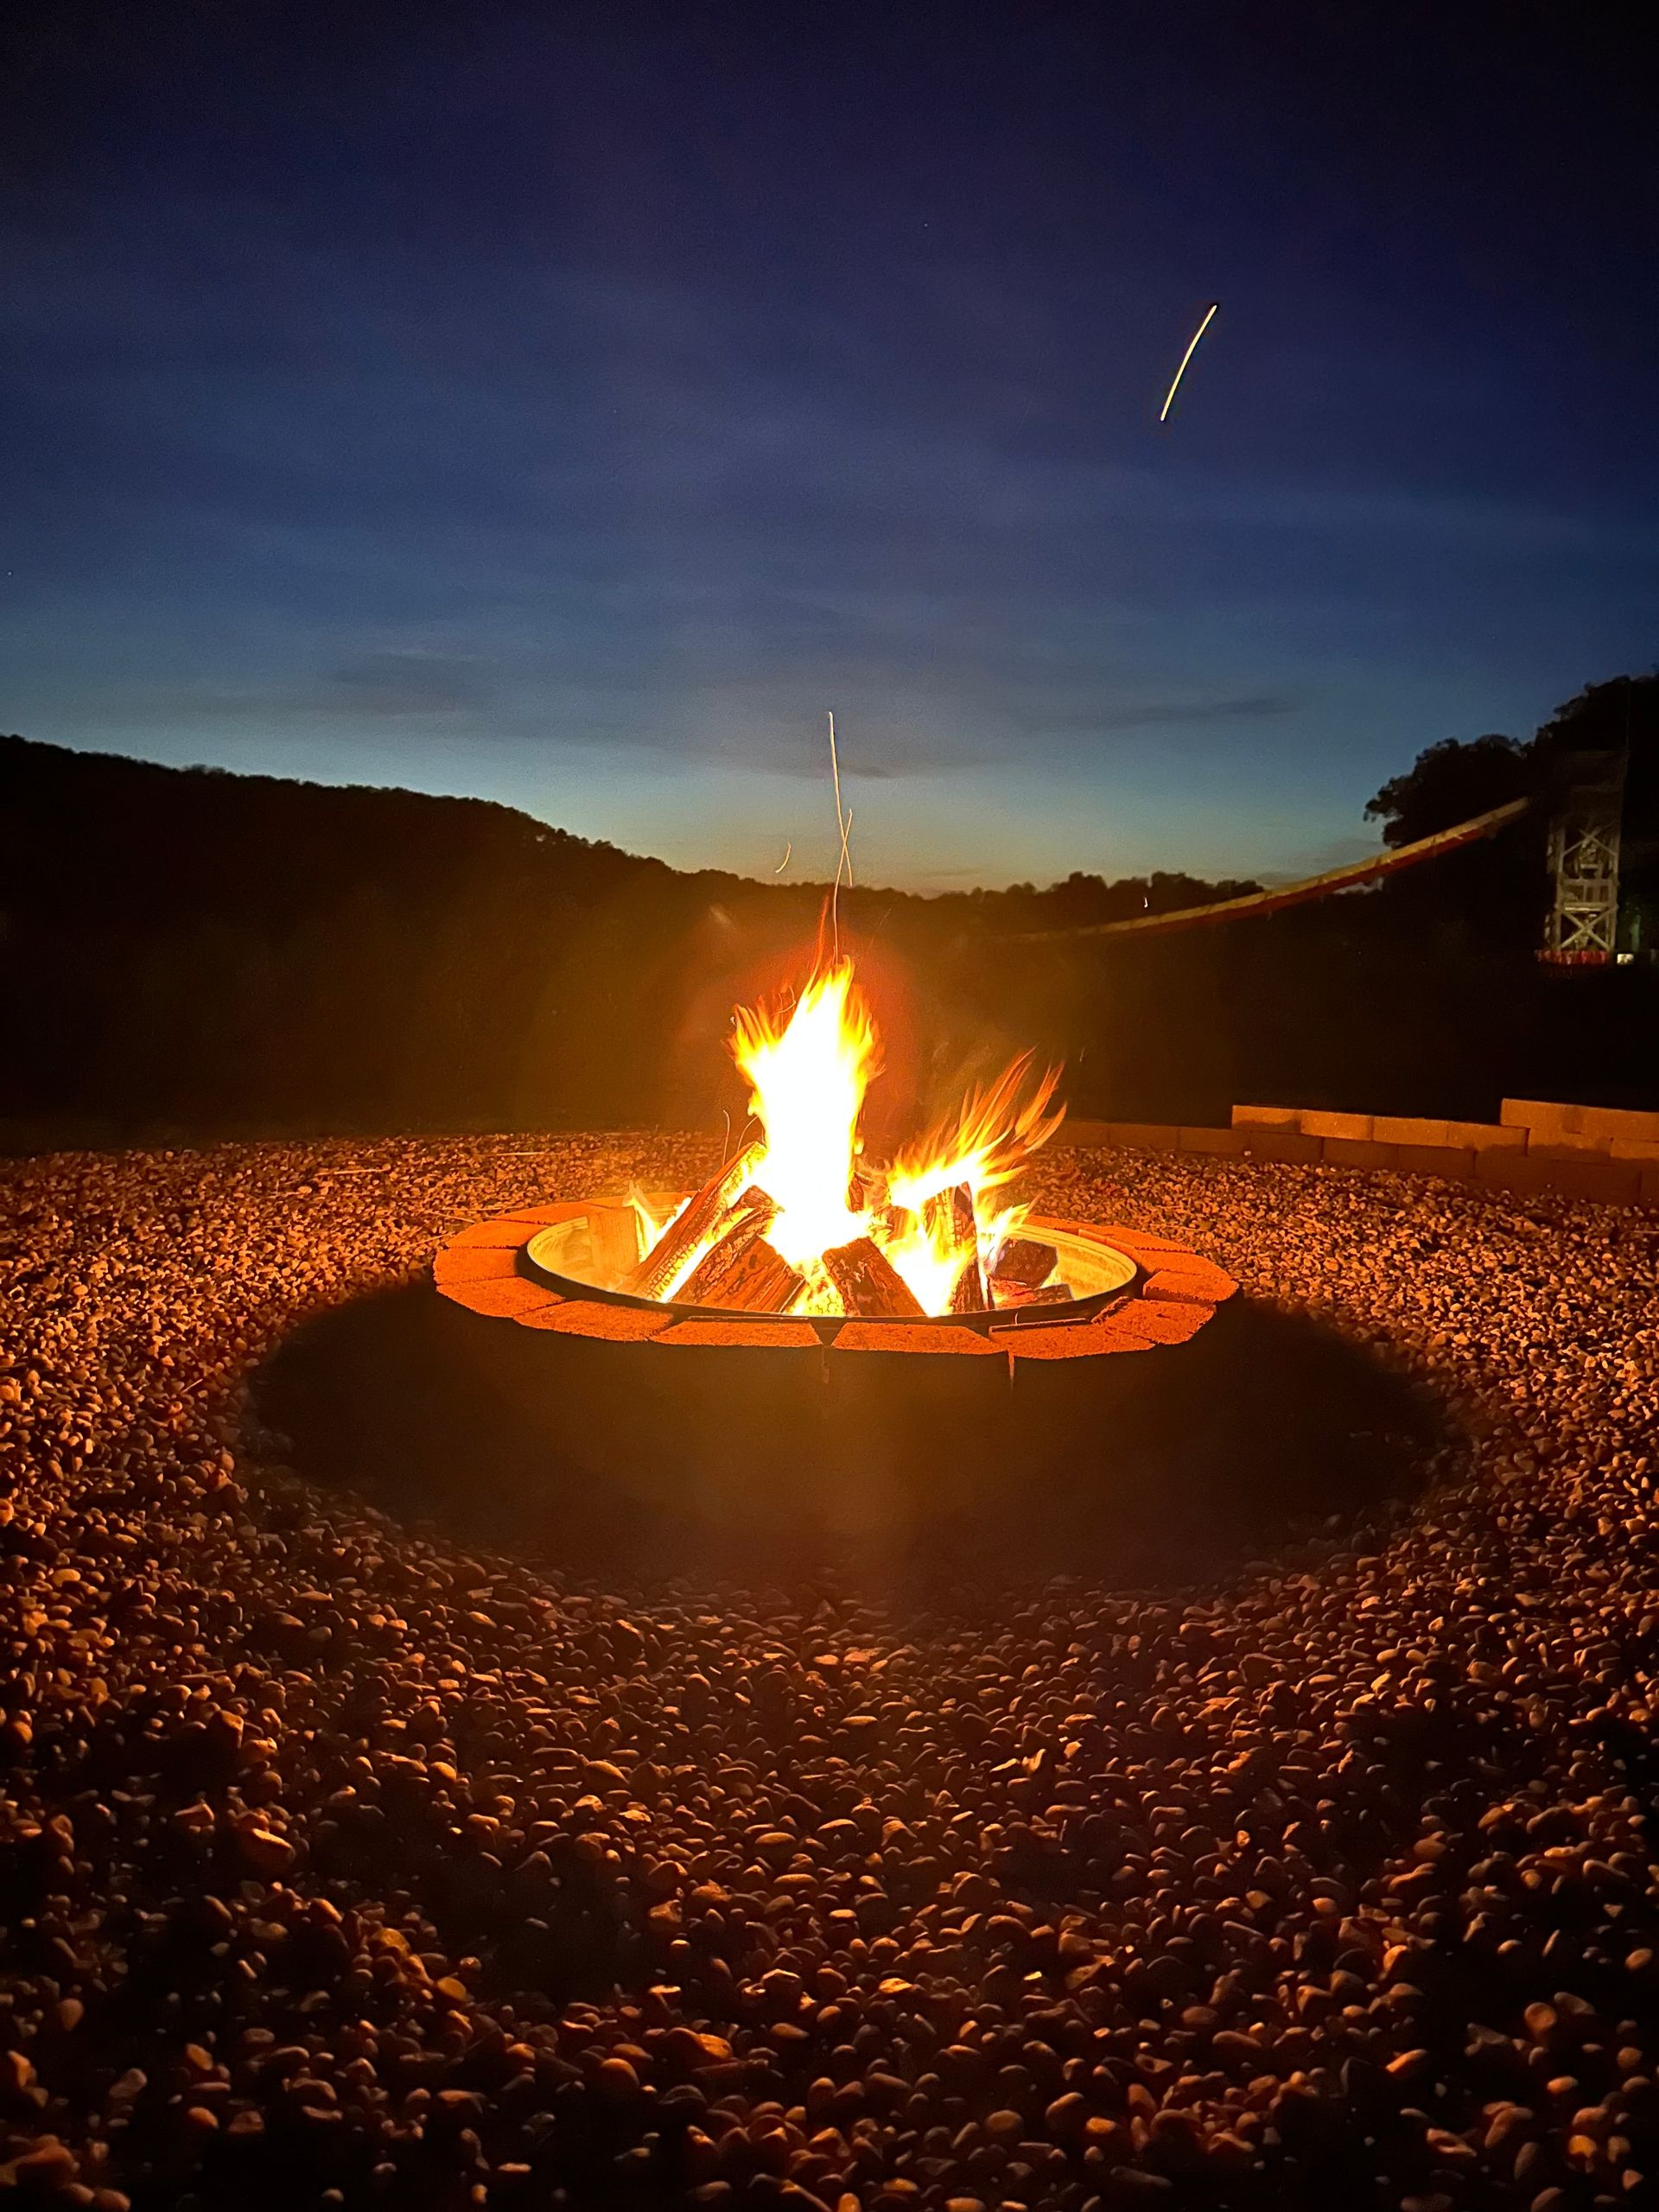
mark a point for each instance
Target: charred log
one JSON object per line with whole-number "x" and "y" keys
{"x": 1045, "y": 1293}
{"x": 868, "y": 1284}
{"x": 750, "y": 1218}
{"x": 950, "y": 1219}
{"x": 1022, "y": 1262}
{"x": 760, "y": 1280}
{"x": 952, "y": 1210}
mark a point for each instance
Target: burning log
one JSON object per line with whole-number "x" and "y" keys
{"x": 693, "y": 1225}
{"x": 950, "y": 1219}
{"x": 759, "y": 1281}
{"x": 868, "y": 1284}
{"x": 868, "y": 1193}
{"x": 952, "y": 1212}
{"x": 753, "y": 1215}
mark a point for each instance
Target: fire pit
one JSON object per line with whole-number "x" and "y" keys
{"x": 555, "y": 1267}
{"x": 874, "y": 1345}
{"x": 800, "y": 1238}
{"x": 905, "y": 1437}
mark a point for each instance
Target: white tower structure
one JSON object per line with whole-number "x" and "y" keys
{"x": 1583, "y": 925}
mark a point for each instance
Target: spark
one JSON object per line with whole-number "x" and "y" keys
{"x": 783, "y": 863}
{"x": 1163, "y": 412}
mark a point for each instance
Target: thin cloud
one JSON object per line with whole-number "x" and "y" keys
{"x": 410, "y": 683}
{"x": 1160, "y": 713}
{"x": 1254, "y": 708}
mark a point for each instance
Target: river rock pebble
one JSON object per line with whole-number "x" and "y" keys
{"x": 341, "y": 1865}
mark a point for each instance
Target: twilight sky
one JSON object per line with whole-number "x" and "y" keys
{"x": 566, "y": 404}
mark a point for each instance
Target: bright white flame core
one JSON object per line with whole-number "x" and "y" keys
{"x": 806, "y": 1089}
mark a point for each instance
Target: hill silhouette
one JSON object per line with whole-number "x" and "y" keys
{"x": 191, "y": 953}
{"x": 194, "y": 951}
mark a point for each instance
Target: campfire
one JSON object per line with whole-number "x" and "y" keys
{"x": 801, "y": 1242}
{"x": 801, "y": 1221}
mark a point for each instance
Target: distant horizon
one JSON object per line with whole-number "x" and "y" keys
{"x": 798, "y": 877}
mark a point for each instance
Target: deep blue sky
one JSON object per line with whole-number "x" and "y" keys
{"x": 568, "y": 405}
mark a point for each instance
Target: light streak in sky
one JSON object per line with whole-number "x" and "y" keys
{"x": 783, "y": 863}
{"x": 1169, "y": 401}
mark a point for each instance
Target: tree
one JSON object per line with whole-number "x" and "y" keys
{"x": 1449, "y": 783}
{"x": 1621, "y": 715}
{"x": 1452, "y": 780}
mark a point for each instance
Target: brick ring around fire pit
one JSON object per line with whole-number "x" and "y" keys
{"x": 807, "y": 1433}
{"x": 532, "y": 1266}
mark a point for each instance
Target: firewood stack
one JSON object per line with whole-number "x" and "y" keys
{"x": 868, "y": 1283}
{"x": 722, "y": 1233}
{"x": 692, "y": 1226}
{"x": 727, "y": 1223}
{"x": 742, "y": 1271}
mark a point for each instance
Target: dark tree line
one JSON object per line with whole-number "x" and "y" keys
{"x": 192, "y": 952}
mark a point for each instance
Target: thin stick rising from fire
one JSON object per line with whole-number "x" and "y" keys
{"x": 844, "y": 858}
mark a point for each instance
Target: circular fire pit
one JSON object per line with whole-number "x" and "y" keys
{"x": 852, "y": 1327}
{"x": 891, "y": 1433}
{"x": 546, "y": 1268}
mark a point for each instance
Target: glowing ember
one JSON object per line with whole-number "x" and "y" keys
{"x": 802, "y": 1207}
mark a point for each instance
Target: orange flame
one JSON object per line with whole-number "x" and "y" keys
{"x": 808, "y": 1068}
{"x": 992, "y": 1137}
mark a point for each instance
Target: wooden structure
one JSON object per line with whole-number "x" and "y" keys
{"x": 1582, "y": 930}
{"x": 1349, "y": 878}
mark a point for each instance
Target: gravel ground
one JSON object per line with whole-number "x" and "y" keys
{"x": 339, "y": 1866}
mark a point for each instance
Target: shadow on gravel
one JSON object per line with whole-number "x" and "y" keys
{"x": 648, "y": 1461}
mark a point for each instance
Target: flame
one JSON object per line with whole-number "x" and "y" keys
{"x": 807, "y": 1080}
{"x": 650, "y": 1223}
{"x": 991, "y": 1138}
{"x": 808, "y": 1067}
{"x": 929, "y": 1256}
